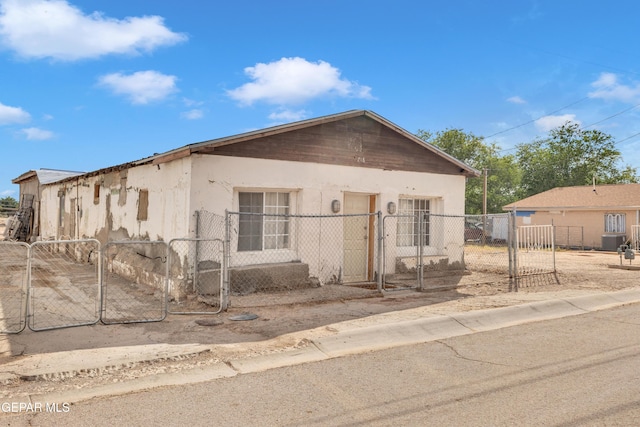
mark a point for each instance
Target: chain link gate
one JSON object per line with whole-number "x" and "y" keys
{"x": 14, "y": 268}
{"x": 64, "y": 284}
{"x": 402, "y": 260}
{"x": 196, "y": 276}
{"x": 134, "y": 282}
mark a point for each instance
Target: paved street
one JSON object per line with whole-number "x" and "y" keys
{"x": 579, "y": 370}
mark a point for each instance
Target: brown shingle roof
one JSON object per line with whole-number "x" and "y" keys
{"x": 582, "y": 197}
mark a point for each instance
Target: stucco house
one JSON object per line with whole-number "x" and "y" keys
{"x": 355, "y": 162}
{"x": 606, "y": 214}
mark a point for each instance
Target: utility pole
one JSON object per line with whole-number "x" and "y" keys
{"x": 485, "y": 173}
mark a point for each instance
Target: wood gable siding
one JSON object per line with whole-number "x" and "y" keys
{"x": 358, "y": 141}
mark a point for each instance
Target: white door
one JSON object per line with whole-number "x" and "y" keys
{"x": 356, "y": 236}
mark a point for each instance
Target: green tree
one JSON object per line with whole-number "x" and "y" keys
{"x": 503, "y": 176}
{"x": 8, "y": 205}
{"x": 571, "y": 156}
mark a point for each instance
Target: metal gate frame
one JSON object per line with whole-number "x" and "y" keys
{"x": 23, "y": 289}
{"x": 105, "y": 285}
{"x": 418, "y": 254}
{"x": 32, "y": 312}
{"x": 536, "y": 240}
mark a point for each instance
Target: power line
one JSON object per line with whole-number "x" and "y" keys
{"x": 533, "y": 120}
{"x": 612, "y": 116}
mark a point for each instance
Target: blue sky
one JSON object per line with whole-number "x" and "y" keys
{"x": 86, "y": 85}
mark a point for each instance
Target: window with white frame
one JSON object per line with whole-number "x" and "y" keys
{"x": 615, "y": 223}
{"x": 264, "y": 221}
{"x": 410, "y": 213}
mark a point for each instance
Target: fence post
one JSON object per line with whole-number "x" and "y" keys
{"x": 380, "y": 250}
{"x": 513, "y": 250}
{"x": 420, "y": 250}
{"x": 226, "y": 258}
{"x": 196, "y": 254}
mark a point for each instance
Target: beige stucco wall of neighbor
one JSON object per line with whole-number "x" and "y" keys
{"x": 592, "y": 222}
{"x": 218, "y": 179}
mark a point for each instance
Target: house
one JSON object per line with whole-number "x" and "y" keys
{"x": 355, "y": 162}
{"x": 27, "y": 220}
{"x": 606, "y": 214}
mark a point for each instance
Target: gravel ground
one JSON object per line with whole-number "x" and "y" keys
{"x": 287, "y": 325}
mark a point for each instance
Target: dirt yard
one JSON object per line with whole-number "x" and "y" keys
{"x": 286, "y": 320}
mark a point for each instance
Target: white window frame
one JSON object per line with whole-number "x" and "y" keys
{"x": 273, "y": 233}
{"x": 615, "y": 223}
{"x": 417, "y": 207}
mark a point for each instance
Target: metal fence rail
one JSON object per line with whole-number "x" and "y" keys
{"x": 420, "y": 247}
{"x": 635, "y": 237}
{"x": 64, "y": 284}
{"x": 535, "y": 245}
{"x": 134, "y": 282}
{"x": 280, "y": 252}
{"x": 248, "y": 259}
{"x": 195, "y": 276}
{"x": 14, "y": 273}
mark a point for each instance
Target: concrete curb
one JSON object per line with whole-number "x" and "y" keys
{"x": 356, "y": 339}
{"x": 67, "y": 363}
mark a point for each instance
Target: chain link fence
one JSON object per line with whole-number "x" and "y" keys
{"x": 424, "y": 250}
{"x": 64, "y": 285}
{"x": 195, "y": 276}
{"x": 134, "y": 281}
{"x": 486, "y": 240}
{"x": 271, "y": 253}
{"x": 14, "y": 273}
{"x": 249, "y": 259}
{"x": 569, "y": 236}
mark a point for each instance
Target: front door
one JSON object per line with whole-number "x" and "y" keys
{"x": 357, "y": 237}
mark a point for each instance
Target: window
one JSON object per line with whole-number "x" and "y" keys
{"x": 257, "y": 230}
{"x": 61, "y": 208}
{"x": 410, "y": 212}
{"x": 615, "y": 223}
{"x": 96, "y": 194}
{"x": 143, "y": 205}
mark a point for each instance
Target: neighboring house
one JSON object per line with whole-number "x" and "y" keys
{"x": 605, "y": 213}
{"x": 352, "y": 162}
{"x": 31, "y": 182}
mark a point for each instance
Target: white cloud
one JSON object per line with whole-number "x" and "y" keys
{"x": 141, "y": 87}
{"x": 37, "y": 134}
{"x": 547, "y": 123}
{"x": 288, "y": 115}
{"x": 6, "y": 193}
{"x": 608, "y": 88}
{"x": 56, "y": 29}
{"x": 191, "y": 102}
{"x": 516, "y": 100}
{"x": 194, "y": 114}
{"x": 294, "y": 81}
{"x": 10, "y": 115}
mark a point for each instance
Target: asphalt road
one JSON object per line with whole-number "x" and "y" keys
{"x": 576, "y": 371}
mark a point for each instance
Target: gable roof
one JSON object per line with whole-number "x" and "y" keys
{"x": 46, "y": 176}
{"x": 586, "y": 197}
{"x": 210, "y": 145}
